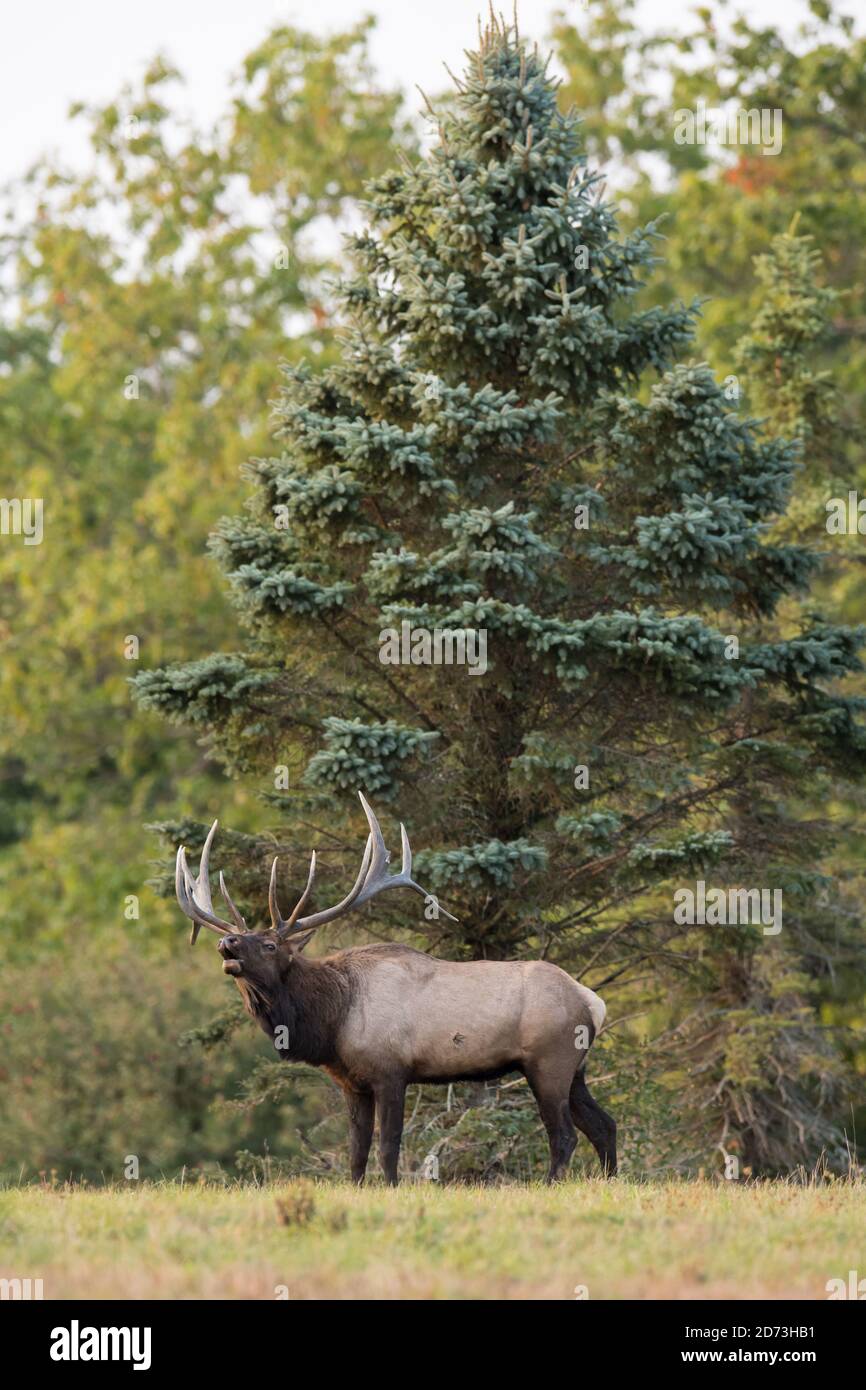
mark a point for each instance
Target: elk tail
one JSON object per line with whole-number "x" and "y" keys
{"x": 597, "y": 1008}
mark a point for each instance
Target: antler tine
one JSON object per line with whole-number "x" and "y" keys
{"x": 239, "y": 921}
{"x": 311, "y": 878}
{"x": 273, "y": 905}
{"x": 381, "y": 856}
{"x": 405, "y": 853}
{"x": 280, "y": 923}
{"x": 181, "y": 890}
{"x": 193, "y": 894}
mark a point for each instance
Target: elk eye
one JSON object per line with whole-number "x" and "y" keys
{"x": 269, "y": 945}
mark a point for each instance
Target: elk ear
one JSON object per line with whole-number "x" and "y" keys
{"x": 296, "y": 944}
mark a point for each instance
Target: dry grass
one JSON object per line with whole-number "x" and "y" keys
{"x": 621, "y": 1240}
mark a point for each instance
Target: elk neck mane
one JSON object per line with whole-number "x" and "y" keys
{"x": 309, "y": 1004}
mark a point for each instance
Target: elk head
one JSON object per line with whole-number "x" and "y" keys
{"x": 260, "y": 961}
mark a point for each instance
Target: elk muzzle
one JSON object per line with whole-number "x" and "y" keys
{"x": 228, "y": 949}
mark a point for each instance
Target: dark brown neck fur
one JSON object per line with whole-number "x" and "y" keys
{"x": 310, "y": 1005}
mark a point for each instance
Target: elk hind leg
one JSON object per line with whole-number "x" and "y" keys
{"x": 595, "y": 1123}
{"x": 553, "y": 1105}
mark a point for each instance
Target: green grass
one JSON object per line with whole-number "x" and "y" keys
{"x": 624, "y": 1239}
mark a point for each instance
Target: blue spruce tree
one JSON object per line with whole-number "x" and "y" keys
{"x": 509, "y": 448}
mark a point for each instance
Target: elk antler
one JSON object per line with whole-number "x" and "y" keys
{"x": 193, "y": 894}
{"x": 194, "y": 897}
{"x": 373, "y": 878}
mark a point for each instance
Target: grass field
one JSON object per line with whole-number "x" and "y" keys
{"x": 619, "y": 1240}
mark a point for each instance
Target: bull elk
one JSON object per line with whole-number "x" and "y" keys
{"x": 379, "y": 1018}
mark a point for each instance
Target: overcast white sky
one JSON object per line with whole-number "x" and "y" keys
{"x": 54, "y": 52}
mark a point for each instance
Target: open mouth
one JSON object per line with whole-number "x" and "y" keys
{"x": 231, "y": 964}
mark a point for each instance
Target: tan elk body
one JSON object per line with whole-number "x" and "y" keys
{"x": 379, "y": 1018}
{"x": 444, "y": 1019}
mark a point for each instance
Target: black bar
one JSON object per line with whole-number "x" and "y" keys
{"x": 262, "y": 1340}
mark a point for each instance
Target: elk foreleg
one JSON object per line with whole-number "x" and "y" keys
{"x": 390, "y": 1102}
{"x": 362, "y": 1110}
